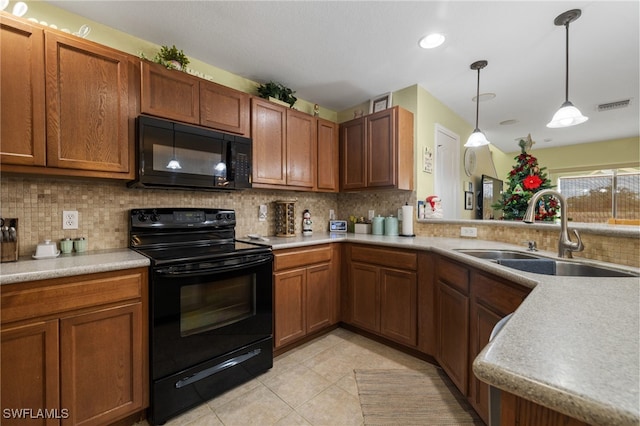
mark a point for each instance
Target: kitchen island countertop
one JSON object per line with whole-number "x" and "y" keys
{"x": 573, "y": 344}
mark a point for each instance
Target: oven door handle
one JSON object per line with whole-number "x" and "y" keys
{"x": 208, "y": 271}
{"x": 216, "y": 368}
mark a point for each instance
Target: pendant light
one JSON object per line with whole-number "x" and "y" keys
{"x": 173, "y": 163}
{"x": 477, "y": 138}
{"x": 568, "y": 115}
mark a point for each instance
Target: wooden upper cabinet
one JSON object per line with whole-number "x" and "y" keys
{"x": 327, "y": 155}
{"x": 377, "y": 151}
{"x": 353, "y": 172}
{"x": 87, "y": 93}
{"x": 169, "y": 94}
{"x": 268, "y": 131}
{"x": 301, "y": 149}
{"x": 176, "y": 95}
{"x": 22, "y": 104}
{"x": 224, "y": 108}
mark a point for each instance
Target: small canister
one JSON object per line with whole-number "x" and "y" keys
{"x": 80, "y": 244}
{"x": 66, "y": 245}
{"x": 391, "y": 226}
{"x": 377, "y": 225}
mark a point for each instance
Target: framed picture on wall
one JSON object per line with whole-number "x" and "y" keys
{"x": 380, "y": 103}
{"x": 468, "y": 200}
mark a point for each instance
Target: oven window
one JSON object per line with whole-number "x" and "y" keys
{"x": 216, "y": 304}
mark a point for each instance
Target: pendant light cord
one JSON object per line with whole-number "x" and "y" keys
{"x": 477, "y": 100}
{"x": 566, "y": 76}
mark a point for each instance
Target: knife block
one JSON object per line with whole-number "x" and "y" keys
{"x": 9, "y": 249}
{"x": 285, "y": 218}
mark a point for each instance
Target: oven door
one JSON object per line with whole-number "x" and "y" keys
{"x": 204, "y": 310}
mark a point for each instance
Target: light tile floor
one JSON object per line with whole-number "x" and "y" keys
{"x": 313, "y": 384}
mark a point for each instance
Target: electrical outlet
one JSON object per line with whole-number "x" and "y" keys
{"x": 262, "y": 213}
{"x": 332, "y": 214}
{"x": 372, "y": 214}
{"x": 468, "y": 232}
{"x": 70, "y": 219}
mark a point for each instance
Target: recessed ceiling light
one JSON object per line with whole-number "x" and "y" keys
{"x": 484, "y": 97}
{"x": 430, "y": 41}
{"x": 508, "y": 122}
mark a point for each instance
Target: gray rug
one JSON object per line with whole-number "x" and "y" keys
{"x": 412, "y": 397}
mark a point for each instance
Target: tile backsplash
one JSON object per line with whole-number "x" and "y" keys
{"x": 104, "y": 205}
{"x": 103, "y": 208}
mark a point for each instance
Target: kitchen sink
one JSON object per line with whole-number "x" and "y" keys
{"x": 531, "y": 262}
{"x": 499, "y": 254}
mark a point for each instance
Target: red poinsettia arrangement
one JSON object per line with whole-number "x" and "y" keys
{"x": 532, "y": 182}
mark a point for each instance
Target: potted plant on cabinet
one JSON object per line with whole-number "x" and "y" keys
{"x": 278, "y": 92}
{"x": 172, "y": 57}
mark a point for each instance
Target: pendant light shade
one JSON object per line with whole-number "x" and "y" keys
{"x": 568, "y": 115}
{"x": 477, "y": 138}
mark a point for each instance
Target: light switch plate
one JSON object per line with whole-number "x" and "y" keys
{"x": 468, "y": 232}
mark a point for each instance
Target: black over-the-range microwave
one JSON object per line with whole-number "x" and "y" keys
{"x": 178, "y": 155}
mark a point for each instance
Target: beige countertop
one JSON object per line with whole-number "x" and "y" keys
{"x": 572, "y": 346}
{"x": 65, "y": 265}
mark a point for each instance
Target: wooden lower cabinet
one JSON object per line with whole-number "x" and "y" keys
{"x": 521, "y": 412}
{"x": 305, "y": 291}
{"x": 491, "y": 300}
{"x": 452, "y": 321}
{"x": 76, "y": 347}
{"x": 382, "y": 292}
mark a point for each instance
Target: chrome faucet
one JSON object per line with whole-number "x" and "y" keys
{"x": 565, "y": 245}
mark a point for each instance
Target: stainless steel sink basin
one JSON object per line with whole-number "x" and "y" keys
{"x": 537, "y": 264}
{"x": 574, "y": 269}
{"x": 499, "y": 254}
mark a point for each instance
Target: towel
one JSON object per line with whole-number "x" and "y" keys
{"x": 537, "y": 266}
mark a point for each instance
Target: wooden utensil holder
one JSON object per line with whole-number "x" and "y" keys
{"x": 9, "y": 249}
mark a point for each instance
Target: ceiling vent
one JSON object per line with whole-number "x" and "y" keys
{"x": 613, "y": 105}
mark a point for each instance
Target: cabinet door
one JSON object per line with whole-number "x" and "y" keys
{"x": 482, "y": 320}
{"x": 224, "y": 108}
{"x": 301, "y": 149}
{"x": 327, "y": 157}
{"x": 453, "y": 333}
{"x": 382, "y": 148}
{"x": 320, "y": 297}
{"x": 102, "y": 364}
{"x": 22, "y": 102}
{"x": 364, "y": 296}
{"x": 87, "y": 91}
{"x": 289, "y": 306}
{"x": 169, "y": 94}
{"x": 398, "y": 305}
{"x": 353, "y": 169}
{"x": 29, "y": 370}
{"x": 268, "y": 131}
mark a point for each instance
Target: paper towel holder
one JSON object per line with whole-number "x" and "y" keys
{"x": 409, "y": 216}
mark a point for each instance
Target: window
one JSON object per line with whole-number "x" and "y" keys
{"x": 601, "y": 195}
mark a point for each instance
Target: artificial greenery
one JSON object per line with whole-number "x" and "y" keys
{"x": 525, "y": 179}
{"x": 168, "y": 54}
{"x": 277, "y": 91}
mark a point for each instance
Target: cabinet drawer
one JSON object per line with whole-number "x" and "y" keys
{"x": 393, "y": 258}
{"x": 47, "y": 297}
{"x": 497, "y": 295}
{"x": 295, "y": 257}
{"x": 453, "y": 274}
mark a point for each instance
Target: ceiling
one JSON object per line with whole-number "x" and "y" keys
{"x": 342, "y": 53}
